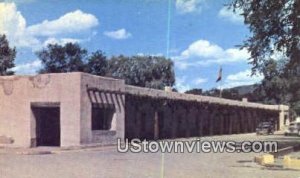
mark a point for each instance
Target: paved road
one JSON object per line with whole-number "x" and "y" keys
{"x": 107, "y": 163}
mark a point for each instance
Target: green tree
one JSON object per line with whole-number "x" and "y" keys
{"x": 7, "y": 57}
{"x": 274, "y": 87}
{"x": 195, "y": 91}
{"x": 274, "y": 27}
{"x": 230, "y": 93}
{"x": 212, "y": 92}
{"x": 144, "y": 71}
{"x": 97, "y": 64}
{"x": 57, "y": 58}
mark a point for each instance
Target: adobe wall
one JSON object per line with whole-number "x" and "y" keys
{"x": 138, "y": 112}
{"x": 70, "y": 92}
{"x": 156, "y": 114}
{"x": 92, "y": 93}
{"x": 19, "y": 93}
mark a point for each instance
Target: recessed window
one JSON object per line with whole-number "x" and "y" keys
{"x": 102, "y": 117}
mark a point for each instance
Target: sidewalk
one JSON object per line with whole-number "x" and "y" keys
{"x": 55, "y": 150}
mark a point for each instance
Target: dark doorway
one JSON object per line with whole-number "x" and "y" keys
{"x": 102, "y": 118}
{"x": 47, "y": 125}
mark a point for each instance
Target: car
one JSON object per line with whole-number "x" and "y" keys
{"x": 293, "y": 129}
{"x": 265, "y": 128}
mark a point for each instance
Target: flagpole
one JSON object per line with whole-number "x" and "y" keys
{"x": 220, "y": 79}
{"x": 162, "y": 164}
{"x": 221, "y": 88}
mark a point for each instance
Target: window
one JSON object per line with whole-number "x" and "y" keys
{"x": 102, "y": 117}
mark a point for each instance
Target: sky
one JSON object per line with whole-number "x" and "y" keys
{"x": 200, "y": 36}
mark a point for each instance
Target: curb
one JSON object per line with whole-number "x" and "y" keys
{"x": 291, "y": 163}
{"x": 36, "y": 151}
{"x": 288, "y": 161}
{"x": 264, "y": 159}
{"x": 284, "y": 151}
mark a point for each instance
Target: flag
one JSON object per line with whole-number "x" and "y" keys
{"x": 220, "y": 75}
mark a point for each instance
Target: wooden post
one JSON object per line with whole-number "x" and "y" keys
{"x": 212, "y": 119}
{"x": 221, "y": 120}
{"x": 238, "y": 121}
{"x": 230, "y": 123}
{"x": 199, "y": 119}
{"x": 156, "y": 125}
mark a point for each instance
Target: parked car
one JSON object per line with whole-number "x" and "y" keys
{"x": 293, "y": 129}
{"x": 265, "y": 128}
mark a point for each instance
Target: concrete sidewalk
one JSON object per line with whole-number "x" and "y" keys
{"x": 278, "y": 136}
{"x": 55, "y": 150}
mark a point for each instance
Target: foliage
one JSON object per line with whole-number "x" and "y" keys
{"x": 274, "y": 87}
{"x": 7, "y": 57}
{"x": 274, "y": 27}
{"x": 97, "y": 64}
{"x": 145, "y": 71}
{"x": 195, "y": 91}
{"x": 226, "y": 93}
{"x": 57, "y": 58}
{"x": 274, "y": 46}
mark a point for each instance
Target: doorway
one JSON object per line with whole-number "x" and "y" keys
{"x": 47, "y": 125}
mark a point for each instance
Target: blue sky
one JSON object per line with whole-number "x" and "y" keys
{"x": 199, "y": 35}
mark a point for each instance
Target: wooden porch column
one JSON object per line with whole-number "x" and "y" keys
{"x": 230, "y": 122}
{"x": 156, "y": 125}
{"x": 221, "y": 119}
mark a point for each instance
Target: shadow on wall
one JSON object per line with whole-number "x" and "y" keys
{"x": 152, "y": 118}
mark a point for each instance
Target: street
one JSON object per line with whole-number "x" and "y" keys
{"x": 107, "y": 162}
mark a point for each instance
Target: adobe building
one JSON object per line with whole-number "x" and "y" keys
{"x": 74, "y": 109}
{"x": 55, "y": 110}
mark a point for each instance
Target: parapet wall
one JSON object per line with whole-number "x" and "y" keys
{"x": 157, "y": 114}
{"x": 198, "y": 98}
{"x": 138, "y": 112}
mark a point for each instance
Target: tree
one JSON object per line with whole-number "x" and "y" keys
{"x": 274, "y": 86}
{"x": 212, "y": 92}
{"x": 57, "y": 58}
{"x": 145, "y": 71}
{"x": 195, "y": 91}
{"x": 7, "y": 57}
{"x": 274, "y": 27}
{"x": 97, "y": 64}
{"x": 230, "y": 93}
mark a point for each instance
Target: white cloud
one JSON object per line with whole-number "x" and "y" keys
{"x": 200, "y": 80}
{"x": 181, "y": 84}
{"x": 153, "y": 55}
{"x": 61, "y": 41}
{"x": 71, "y": 22}
{"x": 13, "y": 24}
{"x": 228, "y": 14}
{"x": 118, "y": 34}
{"x": 188, "y": 6}
{"x": 202, "y": 48}
{"x": 21, "y": 1}
{"x": 206, "y": 53}
{"x": 28, "y": 68}
{"x": 234, "y": 55}
{"x": 279, "y": 55}
{"x": 182, "y": 65}
{"x": 242, "y": 78}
